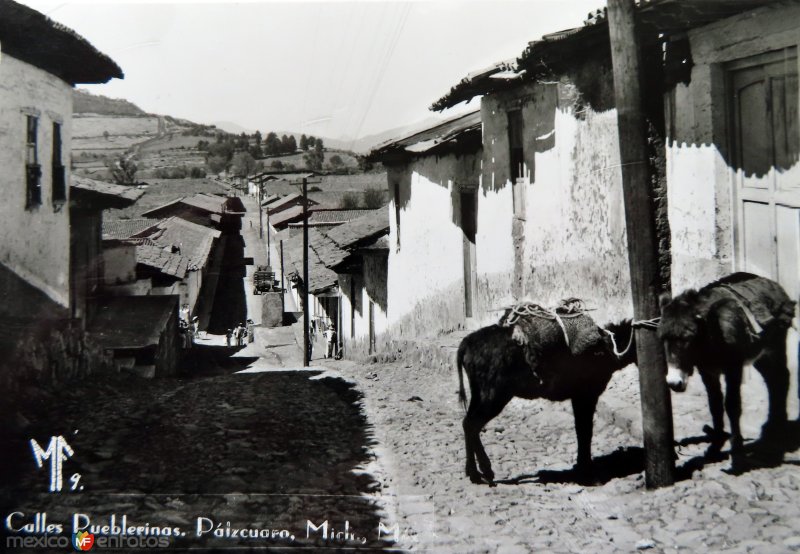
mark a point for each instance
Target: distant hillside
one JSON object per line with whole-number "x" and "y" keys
{"x": 365, "y": 144}
{"x": 231, "y": 127}
{"x": 85, "y": 102}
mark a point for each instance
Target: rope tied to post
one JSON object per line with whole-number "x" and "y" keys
{"x": 651, "y": 324}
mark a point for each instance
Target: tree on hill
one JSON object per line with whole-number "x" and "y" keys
{"x": 272, "y": 144}
{"x": 258, "y": 138}
{"x": 303, "y": 142}
{"x": 336, "y": 161}
{"x": 123, "y": 171}
{"x": 256, "y": 151}
{"x": 373, "y": 198}
{"x": 217, "y": 164}
{"x": 349, "y": 201}
{"x": 243, "y": 164}
{"x": 288, "y": 144}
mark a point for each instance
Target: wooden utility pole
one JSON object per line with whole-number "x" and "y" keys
{"x": 260, "y": 215}
{"x": 642, "y": 244}
{"x": 306, "y": 310}
{"x": 269, "y": 247}
{"x": 283, "y": 285}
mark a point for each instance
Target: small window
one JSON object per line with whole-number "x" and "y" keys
{"x": 397, "y": 212}
{"x": 516, "y": 160}
{"x": 33, "y": 171}
{"x": 59, "y": 177}
{"x": 515, "y": 144}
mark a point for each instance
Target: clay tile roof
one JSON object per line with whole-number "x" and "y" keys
{"x": 34, "y": 38}
{"x": 286, "y": 216}
{"x": 369, "y": 226}
{"x": 153, "y": 212}
{"x": 125, "y": 228}
{"x": 335, "y": 216}
{"x": 163, "y": 259}
{"x": 281, "y": 204}
{"x": 100, "y": 194}
{"x": 320, "y": 277}
{"x": 553, "y": 51}
{"x": 208, "y": 202}
{"x": 450, "y": 131}
{"x": 270, "y": 199}
{"x": 132, "y": 321}
{"x": 194, "y": 241}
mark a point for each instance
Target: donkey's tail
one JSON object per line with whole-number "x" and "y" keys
{"x": 462, "y": 395}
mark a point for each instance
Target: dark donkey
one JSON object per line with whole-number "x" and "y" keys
{"x": 535, "y": 358}
{"x": 736, "y": 320}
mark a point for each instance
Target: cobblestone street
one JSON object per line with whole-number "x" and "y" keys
{"x": 266, "y": 450}
{"x": 537, "y": 507}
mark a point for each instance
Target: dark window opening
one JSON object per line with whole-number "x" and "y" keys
{"x": 397, "y": 212}
{"x": 469, "y": 224}
{"x": 516, "y": 159}
{"x": 352, "y": 307}
{"x": 33, "y": 171}
{"x": 59, "y": 175}
{"x": 515, "y": 144}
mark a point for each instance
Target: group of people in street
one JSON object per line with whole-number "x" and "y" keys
{"x": 188, "y": 330}
{"x": 329, "y": 334}
{"x": 240, "y": 335}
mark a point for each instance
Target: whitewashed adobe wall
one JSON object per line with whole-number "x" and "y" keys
{"x": 35, "y": 242}
{"x": 570, "y": 238}
{"x": 357, "y": 291}
{"x": 426, "y": 275}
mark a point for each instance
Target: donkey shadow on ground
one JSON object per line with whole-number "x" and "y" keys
{"x": 622, "y": 462}
{"x": 764, "y": 452}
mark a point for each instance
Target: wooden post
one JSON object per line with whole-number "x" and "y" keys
{"x": 642, "y": 244}
{"x": 306, "y": 307}
{"x": 269, "y": 244}
{"x": 260, "y": 215}
{"x": 283, "y": 285}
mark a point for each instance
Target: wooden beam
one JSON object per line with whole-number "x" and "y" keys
{"x": 642, "y": 244}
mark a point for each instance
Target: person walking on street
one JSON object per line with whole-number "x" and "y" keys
{"x": 330, "y": 341}
{"x": 229, "y": 337}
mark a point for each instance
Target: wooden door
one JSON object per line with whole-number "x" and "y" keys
{"x": 469, "y": 224}
{"x": 763, "y": 94}
{"x": 371, "y": 327}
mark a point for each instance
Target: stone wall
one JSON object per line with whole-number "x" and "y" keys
{"x": 45, "y": 353}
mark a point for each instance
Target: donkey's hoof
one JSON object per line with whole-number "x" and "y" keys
{"x": 714, "y": 454}
{"x": 773, "y": 430}
{"x": 474, "y": 476}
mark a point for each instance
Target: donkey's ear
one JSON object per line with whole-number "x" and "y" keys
{"x": 663, "y": 299}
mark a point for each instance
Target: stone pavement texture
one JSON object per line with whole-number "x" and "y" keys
{"x": 262, "y": 449}
{"x": 410, "y": 398}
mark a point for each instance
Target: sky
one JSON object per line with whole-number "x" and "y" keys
{"x": 331, "y": 69}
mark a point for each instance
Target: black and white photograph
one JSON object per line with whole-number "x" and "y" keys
{"x": 441, "y": 276}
